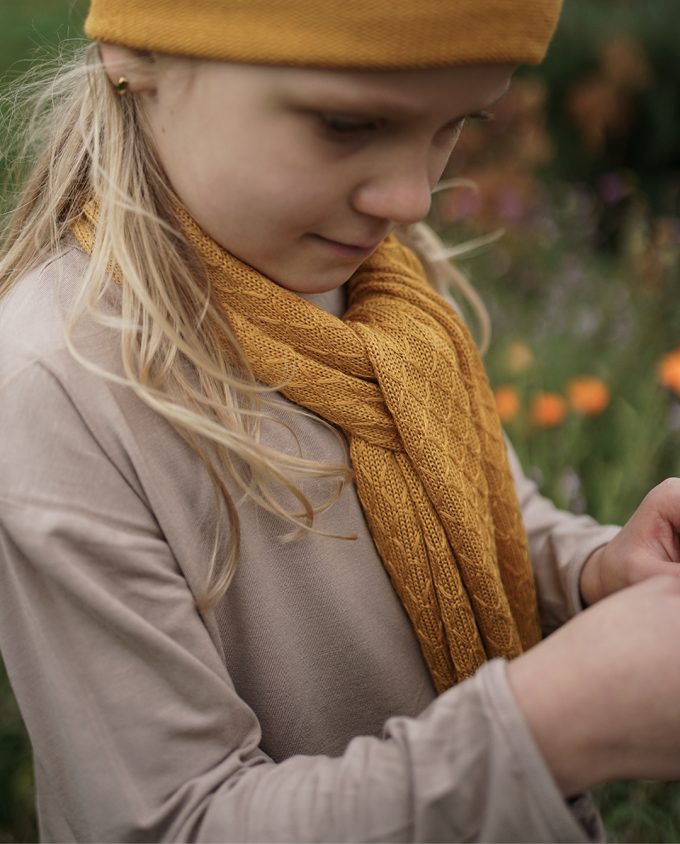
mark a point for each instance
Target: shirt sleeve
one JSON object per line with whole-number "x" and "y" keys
{"x": 559, "y": 545}
{"x": 137, "y": 730}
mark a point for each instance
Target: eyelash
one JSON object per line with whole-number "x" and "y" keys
{"x": 345, "y": 127}
{"x": 480, "y": 115}
{"x": 338, "y": 125}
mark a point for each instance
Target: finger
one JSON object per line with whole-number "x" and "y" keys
{"x": 663, "y": 504}
{"x": 647, "y": 566}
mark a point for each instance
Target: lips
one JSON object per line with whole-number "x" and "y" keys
{"x": 349, "y": 250}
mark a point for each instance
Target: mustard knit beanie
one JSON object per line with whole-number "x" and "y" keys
{"x": 360, "y": 34}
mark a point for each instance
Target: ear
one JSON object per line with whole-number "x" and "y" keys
{"x": 137, "y": 66}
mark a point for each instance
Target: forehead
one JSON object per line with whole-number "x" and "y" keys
{"x": 408, "y": 91}
{"x": 461, "y": 88}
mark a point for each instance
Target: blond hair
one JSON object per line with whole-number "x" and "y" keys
{"x": 78, "y": 140}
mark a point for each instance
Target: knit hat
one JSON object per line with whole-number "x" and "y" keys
{"x": 352, "y": 34}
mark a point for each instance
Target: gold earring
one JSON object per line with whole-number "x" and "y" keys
{"x": 122, "y": 86}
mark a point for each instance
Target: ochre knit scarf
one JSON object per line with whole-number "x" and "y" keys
{"x": 400, "y": 375}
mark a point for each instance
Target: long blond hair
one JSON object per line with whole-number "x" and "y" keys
{"x": 78, "y": 140}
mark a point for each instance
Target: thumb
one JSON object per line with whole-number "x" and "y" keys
{"x": 661, "y": 509}
{"x": 649, "y": 565}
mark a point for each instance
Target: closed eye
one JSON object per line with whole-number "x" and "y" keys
{"x": 345, "y": 126}
{"x": 342, "y": 124}
{"x": 475, "y": 115}
{"x": 453, "y": 129}
{"x": 480, "y": 115}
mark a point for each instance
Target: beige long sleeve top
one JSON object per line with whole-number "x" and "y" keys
{"x": 301, "y": 708}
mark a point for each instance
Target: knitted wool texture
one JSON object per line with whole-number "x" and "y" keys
{"x": 401, "y": 376}
{"x": 369, "y": 34}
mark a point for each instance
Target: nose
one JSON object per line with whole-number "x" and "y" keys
{"x": 399, "y": 191}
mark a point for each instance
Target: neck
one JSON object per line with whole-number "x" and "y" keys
{"x": 333, "y": 302}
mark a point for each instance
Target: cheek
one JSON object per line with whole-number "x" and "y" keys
{"x": 287, "y": 165}
{"x": 240, "y": 184}
{"x": 288, "y": 197}
{"x": 206, "y": 172}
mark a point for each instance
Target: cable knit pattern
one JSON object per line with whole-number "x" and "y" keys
{"x": 401, "y": 376}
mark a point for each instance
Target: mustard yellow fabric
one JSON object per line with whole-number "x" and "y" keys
{"x": 388, "y": 34}
{"x": 400, "y": 375}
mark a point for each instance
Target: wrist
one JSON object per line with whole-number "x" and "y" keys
{"x": 590, "y": 579}
{"x": 557, "y": 707}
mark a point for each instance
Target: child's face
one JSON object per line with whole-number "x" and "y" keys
{"x": 301, "y": 173}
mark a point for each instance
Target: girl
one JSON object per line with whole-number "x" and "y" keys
{"x": 263, "y": 565}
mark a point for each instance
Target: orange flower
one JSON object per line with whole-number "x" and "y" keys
{"x": 548, "y": 410}
{"x": 507, "y": 403}
{"x": 669, "y": 371}
{"x": 588, "y": 395}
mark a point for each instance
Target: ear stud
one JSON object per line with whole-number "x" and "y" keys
{"x": 122, "y": 86}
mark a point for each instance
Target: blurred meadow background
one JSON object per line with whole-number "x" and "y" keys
{"x": 579, "y": 174}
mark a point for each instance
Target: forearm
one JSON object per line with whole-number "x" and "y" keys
{"x": 600, "y": 694}
{"x": 466, "y": 769}
{"x": 558, "y": 705}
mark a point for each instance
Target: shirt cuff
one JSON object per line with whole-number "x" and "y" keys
{"x": 576, "y": 561}
{"x": 558, "y": 818}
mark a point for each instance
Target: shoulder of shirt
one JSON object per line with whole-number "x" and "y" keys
{"x": 33, "y": 313}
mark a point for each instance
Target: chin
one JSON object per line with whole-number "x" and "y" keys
{"x": 323, "y": 284}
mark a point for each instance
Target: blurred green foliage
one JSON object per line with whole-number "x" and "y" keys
{"x": 16, "y": 776}
{"x": 25, "y": 28}
{"x": 581, "y": 168}
{"x": 615, "y": 65}
{"x": 33, "y": 25}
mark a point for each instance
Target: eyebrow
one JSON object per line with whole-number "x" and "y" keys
{"x": 372, "y": 106}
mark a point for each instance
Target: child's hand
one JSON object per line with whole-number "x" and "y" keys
{"x": 601, "y": 693}
{"x": 647, "y": 545}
